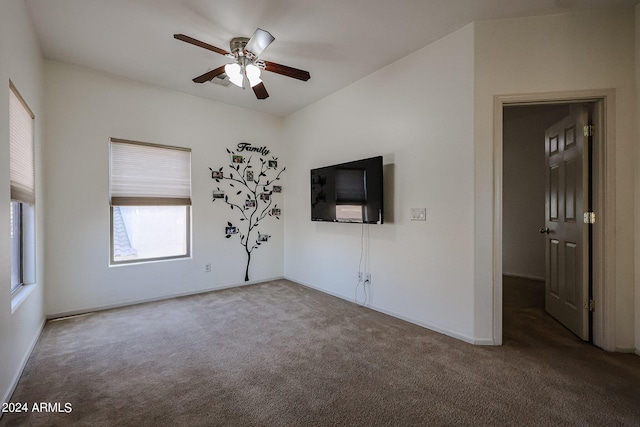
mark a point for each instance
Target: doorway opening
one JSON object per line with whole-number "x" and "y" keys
{"x": 546, "y": 255}
{"x": 523, "y": 253}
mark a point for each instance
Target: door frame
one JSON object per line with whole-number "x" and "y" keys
{"x": 603, "y": 185}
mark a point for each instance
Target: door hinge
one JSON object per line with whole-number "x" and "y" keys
{"x": 589, "y": 217}
{"x": 590, "y": 305}
{"x": 589, "y": 130}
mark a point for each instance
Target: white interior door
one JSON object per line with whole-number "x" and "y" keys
{"x": 567, "y": 262}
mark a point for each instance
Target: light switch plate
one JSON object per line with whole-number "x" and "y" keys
{"x": 418, "y": 214}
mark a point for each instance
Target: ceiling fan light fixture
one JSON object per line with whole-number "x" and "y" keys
{"x": 234, "y": 72}
{"x": 247, "y": 68}
{"x": 253, "y": 74}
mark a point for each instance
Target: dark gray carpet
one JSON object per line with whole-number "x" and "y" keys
{"x": 279, "y": 354}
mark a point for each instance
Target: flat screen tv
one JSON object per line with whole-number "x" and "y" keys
{"x": 348, "y": 192}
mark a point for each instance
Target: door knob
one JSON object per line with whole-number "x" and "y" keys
{"x": 544, "y": 230}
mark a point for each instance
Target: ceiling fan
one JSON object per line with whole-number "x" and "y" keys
{"x": 247, "y": 67}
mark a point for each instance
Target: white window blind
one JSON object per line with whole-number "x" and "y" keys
{"x": 146, "y": 174}
{"x": 21, "y": 163}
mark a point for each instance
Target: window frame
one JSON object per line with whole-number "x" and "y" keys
{"x": 148, "y": 202}
{"x": 16, "y": 217}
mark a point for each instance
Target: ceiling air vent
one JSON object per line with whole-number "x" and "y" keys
{"x": 221, "y": 80}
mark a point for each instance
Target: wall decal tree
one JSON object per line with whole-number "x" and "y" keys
{"x": 249, "y": 189}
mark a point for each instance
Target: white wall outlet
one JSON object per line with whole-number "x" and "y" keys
{"x": 418, "y": 214}
{"x": 207, "y": 267}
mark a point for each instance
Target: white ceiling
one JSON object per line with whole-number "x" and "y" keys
{"x": 337, "y": 41}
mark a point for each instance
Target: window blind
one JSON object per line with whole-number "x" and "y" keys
{"x": 21, "y": 162}
{"x": 149, "y": 175}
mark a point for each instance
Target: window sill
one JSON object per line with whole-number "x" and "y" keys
{"x": 21, "y": 294}
{"x": 149, "y": 261}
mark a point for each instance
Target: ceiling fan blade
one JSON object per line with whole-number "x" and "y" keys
{"x": 259, "y": 41}
{"x": 287, "y": 71}
{"x": 260, "y": 91}
{"x": 198, "y": 43}
{"x": 209, "y": 75}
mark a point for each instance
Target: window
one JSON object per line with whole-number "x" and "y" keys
{"x": 22, "y": 179}
{"x": 150, "y": 201}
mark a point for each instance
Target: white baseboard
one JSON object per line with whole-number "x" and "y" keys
{"x": 631, "y": 350}
{"x": 432, "y": 327}
{"x": 58, "y": 315}
{"x": 436, "y": 328}
{"x": 523, "y": 276}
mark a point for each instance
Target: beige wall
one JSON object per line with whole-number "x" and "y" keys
{"x": 20, "y": 62}
{"x": 417, "y": 113}
{"x": 84, "y": 109}
{"x": 420, "y": 271}
{"x": 548, "y": 54}
{"x": 430, "y": 115}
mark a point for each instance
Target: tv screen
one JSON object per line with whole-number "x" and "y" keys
{"x": 348, "y": 192}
